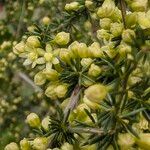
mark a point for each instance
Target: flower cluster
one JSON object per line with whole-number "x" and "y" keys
{"x": 102, "y": 85}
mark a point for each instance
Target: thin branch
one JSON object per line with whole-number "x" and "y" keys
{"x": 86, "y": 130}
{"x": 29, "y": 81}
{"x": 123, "y": 11}
{"x": 73, "y": 100}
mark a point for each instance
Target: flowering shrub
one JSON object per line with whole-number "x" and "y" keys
{"x": 92, "y": 62}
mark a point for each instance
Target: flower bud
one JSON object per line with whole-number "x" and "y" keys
{"x": 95, "y": 50}
{"x": 144, "y": 141}
{"x": 139, "y": 5}
{"x": 124, "y": 49}
{"x": 107, "y": 9}
{"x": 94, "y": 70}
{"x": 65, "y": 55}
{"x": 33, "y": 120}
{"x": 85, "y": 62}
{"x": 83, "y": 50}
{"x": 131, "y": 20}
{"x": 116, "y": 29}
{"x": 96, "y": 92}
{"x": 73, "y": 48}
{"x": 12, "y": 146}
{"x": 33, "y": 41}
{"x": 128, "y": 36}
{"x": 125, "y": 141}
{"x": 39, "y": 78}
{"x": 45, "y": 123}
{"x": 105, "y": 23}
{"x": 51, "y": 74}
{"x": 103, "y": 34}
{"x": 89, "y": 4}
{"x": 90, "y": 103}
{"x": 143, "y": 20}
{"x": 50, "y": 92}
{"x": 62, "y": 38}
{"x": 67, "y": 146}
{"x": 40, "y": 143}
{"x": 25, "y": 145}
{"x": 19, "y": 48}
{"x": 86, "y": 82}
{"x": 46, "y": 20}
{"x": 61, "y": 90}
{"x": 73, "y": 6}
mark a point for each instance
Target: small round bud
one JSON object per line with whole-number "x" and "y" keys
{"x": 139, "y": 5}
{"x": 39, "y": 78}
{"x": 105, "y": 23}
{"x": 40, "y": 143}
{"x": 83, "y": 50}
{"x": 124, "y": 49}
{"x": 25, "y": 145}
{"x": 125, "y": 140}
{"x": 116, "y": 29}
{"x": 85, "y": 62}
{"x": 65, "y": 55}
{"x": 45, "y": 123}
{"x": 67, "y": 146}
{"x": 33, "y": 120}
{"x": 107, "y": 9}
{"x": 144, "y": 141}
{"x": 96, "y": 92}
{"x": 73, "y": 6}
{"x": 143, "y": 20}
{"x": 90, "y": 104}
{"x": 128, "y": 36}
{"x": 61, "y": 90}
{"x": 89, "y": 4}
{"x": 62, "y": 38}
{"x": 73, "y": 48}
{"x": 95, "y": 50}
{"x": 103, "y": 34}
{"x": 33, "y": 41}
{"x": 94, "y": 70}
{"x": 50, "y": 92}
{"x": 19, "y": 48}
{"x": 12, "y": 146}
{"x": 131, "y": 20}
{"x": 46, "y": 20}
{"x": 51, "y": 74}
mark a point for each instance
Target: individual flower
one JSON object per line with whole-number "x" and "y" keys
{"x": 73, "y": 6}
{"x": 45, "y": 123}
{"x": 62, "y": 38}
{"x": 25, "y": 144}
{"x": 96, "y": 92}
{"x": 12, "y": 146}
{"x": 94, "y": 70}
{"x": 125, "y": 141}
{"x": 33, "y": 42}
{"x": 40, "y": 143}
{"x": 33, "y": 120}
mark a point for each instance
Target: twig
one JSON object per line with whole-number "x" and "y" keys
{"x": 123, "y": 11}
{"x": 86, "y": 130}
{"x": 73, "y": 100}
{"x": 29, "y": 81}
